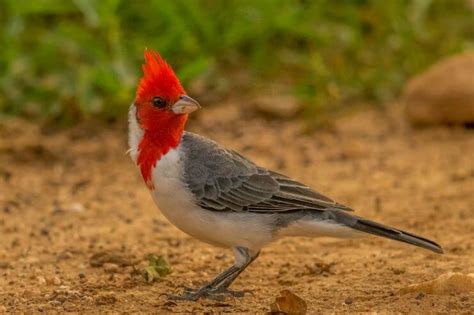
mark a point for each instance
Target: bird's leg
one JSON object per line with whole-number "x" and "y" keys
{"x": 224, "y": 285}
{"x": 217, "y": 288}
{"x": 211, "y": 285}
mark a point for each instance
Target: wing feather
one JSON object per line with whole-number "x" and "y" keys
{"x": 224, "y": 180}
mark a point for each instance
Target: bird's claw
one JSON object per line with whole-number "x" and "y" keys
{"x": 194, "y": 296}
{"x": 191, "y": 294}
{"x": 217, "y": 294}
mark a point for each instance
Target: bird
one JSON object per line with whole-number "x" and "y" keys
{"x": 220, "y": 197}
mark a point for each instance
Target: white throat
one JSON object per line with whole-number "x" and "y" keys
{"x": 135, "y": 133}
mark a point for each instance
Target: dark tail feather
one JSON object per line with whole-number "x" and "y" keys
{"x": 378, "y": 229}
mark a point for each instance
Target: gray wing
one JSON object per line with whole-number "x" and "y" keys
{"x": 223, "y": 180}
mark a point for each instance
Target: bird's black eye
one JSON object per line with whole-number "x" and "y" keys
{"x": 159, "y": 102}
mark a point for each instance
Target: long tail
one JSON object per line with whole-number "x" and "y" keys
{"x": 371, "y": 227}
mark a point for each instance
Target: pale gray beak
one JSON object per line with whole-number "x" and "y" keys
{"x": 185, "y": 105}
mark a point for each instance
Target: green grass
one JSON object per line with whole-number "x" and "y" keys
{"x": 67, "y": 60}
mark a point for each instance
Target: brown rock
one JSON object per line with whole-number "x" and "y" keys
{"x": 443, "y": 94}
{"x": 5, "y": 265}
{"x": 54, "y": 281}
{"x": 41, "y": 280}
{"x": 111, "y": 267}
{"x": 288, "y": 303}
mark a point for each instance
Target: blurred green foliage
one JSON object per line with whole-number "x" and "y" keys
{"x": 65, "y": 60}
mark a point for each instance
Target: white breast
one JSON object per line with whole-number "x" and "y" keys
{"x": 225, "y": 229}
{"x": 135, "y": 133}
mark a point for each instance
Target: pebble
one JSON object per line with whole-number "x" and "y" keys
{"x": 348, "y": 301}
{"x": 41, "y": 280}
{"x": 76, "y": 207}
{"x": 111, "y": 267}
{"x": 55, "y": 280}
{"x": 54, "y": 303}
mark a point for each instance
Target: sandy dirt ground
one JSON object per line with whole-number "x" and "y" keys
{"x": 67, "y": 196}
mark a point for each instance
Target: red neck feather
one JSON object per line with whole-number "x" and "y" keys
{"x": 163, "y": 135}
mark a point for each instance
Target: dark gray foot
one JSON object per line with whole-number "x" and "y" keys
{"x": 191, "y": 294}
{"x": 184, "y": 297}
{"x": 217, "y": 289}
{"x": 194, "y": 296}
{"x": 208, "y": 292}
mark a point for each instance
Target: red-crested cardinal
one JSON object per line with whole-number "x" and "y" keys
{"x": 220, "y": 197}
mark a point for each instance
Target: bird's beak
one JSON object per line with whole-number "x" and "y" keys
{"x": 185, "y": 105}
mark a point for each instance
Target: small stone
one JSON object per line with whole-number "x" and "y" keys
{"x": 55, "y": 303}
{"x": 55, "y": 280}
{"x": 348, "y": 301}
{"x": 41, "y": 280}
{"x": 288, "y": 303}
{"x": 82, "y": 275}
{"x": 420, "y": 296}
{"x": 76, "y": 207}
{"x": 111, "y": 267}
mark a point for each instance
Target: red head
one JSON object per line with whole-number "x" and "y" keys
{"x": 160, "y": 96}
{"x": 162, "y": 108}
